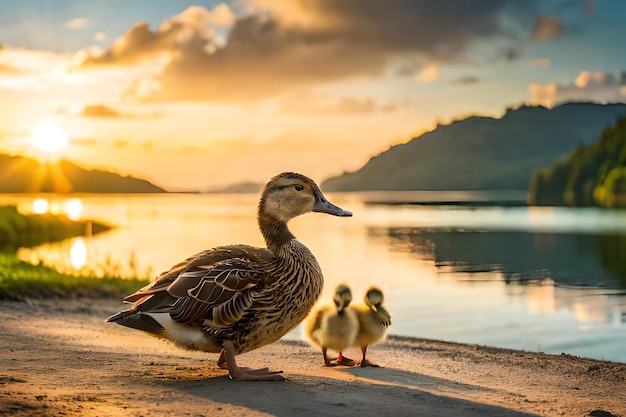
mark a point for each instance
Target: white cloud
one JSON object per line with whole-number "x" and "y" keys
{"x": 76, "y": 23}
{"x": 100, "y": 36}
{"x": 598, "y": 86}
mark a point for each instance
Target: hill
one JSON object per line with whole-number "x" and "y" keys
{"x": 20, "y": 174}
{"x": 239, "y": 188}
{"x": 482, "y": 152}
{"x": 592, "y": 175}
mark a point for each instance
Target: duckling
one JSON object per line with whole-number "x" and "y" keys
{"x": 233, "y": 299}
{"x": 374, "y": 321}
{"x": 334, "y": 327}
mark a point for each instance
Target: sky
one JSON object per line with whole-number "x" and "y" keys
{"x": 193, "y": 96}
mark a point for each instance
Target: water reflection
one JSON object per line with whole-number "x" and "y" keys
{"x": 40, "y": 206}
{"x": 70, "y": 207}
{"x": 567, "y": 258}
{"x": 554, "y": 273}
{"x": 73, "y": 208}
{"x": 78, "y": 253}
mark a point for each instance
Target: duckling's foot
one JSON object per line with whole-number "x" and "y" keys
{"x": 365, "y": 363}
{"x": 227, "y": 361}
{"x": 342, "y": 360}
{"x": 327, "y": 360}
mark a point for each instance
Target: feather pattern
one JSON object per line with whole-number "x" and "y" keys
{"x": 239, "y": 295}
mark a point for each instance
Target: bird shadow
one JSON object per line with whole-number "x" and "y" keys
{"x": 349, "y": 392}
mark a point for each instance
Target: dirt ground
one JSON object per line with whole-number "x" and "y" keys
{"x": 59, "y": 358}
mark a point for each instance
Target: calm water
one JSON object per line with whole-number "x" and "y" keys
{"x": 537, "y": 279}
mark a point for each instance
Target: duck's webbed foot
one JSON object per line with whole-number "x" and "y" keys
{"x": 327, "y": 360}
{"x": 227, "y": 361}
{"x": 342, "y": 360}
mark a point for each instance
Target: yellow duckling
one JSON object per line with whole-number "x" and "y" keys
{"x": 374, "y": 321}
{"x": 334, "y": 326}
{"x": 233, "y": 299}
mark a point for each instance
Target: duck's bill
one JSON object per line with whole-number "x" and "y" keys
{"x": 324, "y": 206}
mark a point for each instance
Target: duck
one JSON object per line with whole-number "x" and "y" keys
{"x": 236, "y": 298}
{"x": 374, "y": 322}
{"x": 334, "y": 326}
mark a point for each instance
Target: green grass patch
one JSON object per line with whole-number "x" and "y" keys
{"x": 18, "y": 230}
{"x": 20, "y": 280}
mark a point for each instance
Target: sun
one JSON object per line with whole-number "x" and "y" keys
{"x": 49, "y": 138}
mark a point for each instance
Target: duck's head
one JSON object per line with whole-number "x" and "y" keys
{"x": 343, "y": 297}
{"x": 289, "y": 195}
{"x": 374, "y": 297}
{"x": 374, "y": 300}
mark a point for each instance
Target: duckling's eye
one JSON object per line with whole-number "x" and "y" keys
{"x": 299, "y": 187}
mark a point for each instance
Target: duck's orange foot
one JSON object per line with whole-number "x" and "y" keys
{"x": 342, "y": 360}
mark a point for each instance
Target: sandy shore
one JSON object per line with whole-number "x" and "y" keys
{"x": 60, "y": 358}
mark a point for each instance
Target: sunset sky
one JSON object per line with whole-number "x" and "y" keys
{"x": 199, "y": 95}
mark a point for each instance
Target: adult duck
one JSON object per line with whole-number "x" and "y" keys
{"x": 374, "y": 321}
{"x": 233, "y": 299}
{"x": 334, "y": 326}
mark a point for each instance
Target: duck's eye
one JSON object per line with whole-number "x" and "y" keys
{"x": 299, "y": 187}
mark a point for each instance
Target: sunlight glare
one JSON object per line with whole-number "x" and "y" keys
{"x": 78, "y": 253}
{"x": 49, "y": 138}
{"x": 40, "y": 206}
{"x": 73, "y": 208}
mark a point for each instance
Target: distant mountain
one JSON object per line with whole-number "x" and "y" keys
{"x": 22, "y": 175}
{"x": 482, "y": 152}
{"x": 239, "y": 188}
{"x": 592, "y": 175}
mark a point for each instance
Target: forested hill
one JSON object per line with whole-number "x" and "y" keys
{"x": 592, "y": 175}
{"x": 483, "y": 152}
{"x": 22, "y": 175}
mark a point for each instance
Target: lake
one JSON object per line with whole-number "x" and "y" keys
{"x": 466, "y": 267}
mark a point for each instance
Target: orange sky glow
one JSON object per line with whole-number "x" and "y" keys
{"x": 193, "y": 97}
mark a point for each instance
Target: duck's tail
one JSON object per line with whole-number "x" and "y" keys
{"x": 137, "y": 320}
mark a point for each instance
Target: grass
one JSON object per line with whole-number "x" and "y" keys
{"x": 20, "y": 280}
{"x": 18, "y": 229}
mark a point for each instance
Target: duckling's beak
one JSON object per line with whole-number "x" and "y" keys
{"x": 324, "y": 206}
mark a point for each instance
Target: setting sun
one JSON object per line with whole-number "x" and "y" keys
{"x": 49, "y": 138}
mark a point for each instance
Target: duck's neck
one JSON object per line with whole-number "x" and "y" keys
{"x": 275, "y": 232}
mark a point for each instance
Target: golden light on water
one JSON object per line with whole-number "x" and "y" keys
{"x": 73, "y": 208}
{"x": 40, "y": 206}
{"x": 78, "y": 253}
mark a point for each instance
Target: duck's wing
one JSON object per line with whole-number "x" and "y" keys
{"x": 384, "y": 316}
{"x": 214, "y": 286}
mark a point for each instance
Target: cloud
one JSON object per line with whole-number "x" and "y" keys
{"x": 221, "y": 15}
{"x": 305, "y": 103}
{"x": 467, "y": 80}
{"x": 277, "y": 46}
{"x": 100, "y": 36}
{"x": 588, "y": 86}
{"x": 104, "y": 111}
{"x": 540, "y": 62}
{"x": 99, "y": 110}
{"x": 76, "y": 23}
{"x": 428, "y": 74}
{"x": 187, "y": 31}
{"x": 546, "y": 27}
{"x": 7, "y": 69}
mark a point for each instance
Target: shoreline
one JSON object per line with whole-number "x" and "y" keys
{"x": 59, "y": 357}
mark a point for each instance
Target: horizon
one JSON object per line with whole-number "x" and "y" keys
{"x": 202, "y": 97}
